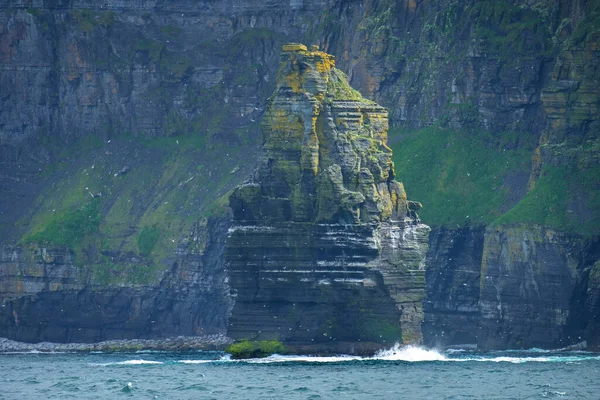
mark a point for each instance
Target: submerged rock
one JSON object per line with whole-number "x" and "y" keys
{"x": 325, "y": 252}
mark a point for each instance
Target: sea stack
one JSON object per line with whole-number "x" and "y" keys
{"x": 325, "y": 253}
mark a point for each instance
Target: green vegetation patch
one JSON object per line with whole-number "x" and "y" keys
{"x": 457, "y": 175}
{"x": 148, "y": 195}
{"x": 340, "y": 89}
{"x": 376, "y": 330}
{"x": 564, "y": 198}
{"x": 171, "y": 31}
{"x": 594, "y": 277}
{"x": 87, "y": 20}
{"x": 255, "y": 349}
{"x": 147, "y": 239}
{"x": 502, "y": 26}
{"x": 248, "y": 39}
{"x": 588, "y": 28}
{"x": 69, "y": 227}
{"x": 108, "y": 272}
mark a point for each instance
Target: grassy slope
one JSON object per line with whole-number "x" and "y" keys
{"x": 557, "y": 196}
{"x": 459, "y": 177}
{"x": 124, "y": 205}
{"x": 463, "y": 177}
{"x": 140, "y": 213}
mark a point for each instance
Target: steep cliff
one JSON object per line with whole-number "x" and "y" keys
{"x": 46, "y": 297}
{"x": 123, "y": 124}
{"x": 531, "y": 288}
{"x": 452, "y": 313}
{"x": 326, "y": 253}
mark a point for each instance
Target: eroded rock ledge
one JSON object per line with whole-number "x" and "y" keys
{"x": 326, "y": 252}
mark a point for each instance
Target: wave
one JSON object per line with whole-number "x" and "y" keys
{"x": 416, "y": 353}
{"x": 36, "y": 352}
{"x": 410, "y": 353}
{"x": 197, "y": 361}
{"x": 397, "y": 353}
{"x": 421, "y": 354}
{"x": 129, "y": 362}
{"x": 277, "y": 358}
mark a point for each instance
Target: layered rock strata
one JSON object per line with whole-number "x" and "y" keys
{"x": 532, "y": 290}
{"x": 325, "y": 251}
{"x": 513, "y": 287}
{"x": 453, "y": 274}
{"x": 46, "y": 297}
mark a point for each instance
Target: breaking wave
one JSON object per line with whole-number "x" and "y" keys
{"x": 130, "y": 362}
{"x": 397, "y": 353}
{"x": 410, "y": 353}
{"x": 421, "y": 354}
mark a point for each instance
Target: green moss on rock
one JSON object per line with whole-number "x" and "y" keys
{"x": 326, "y": 157}
{"x": 564, "y": 198}
{"x": 147, "y": 239}
{"x": 255, "y": 349}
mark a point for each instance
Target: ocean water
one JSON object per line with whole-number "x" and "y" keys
{"x": 398, "y": 373}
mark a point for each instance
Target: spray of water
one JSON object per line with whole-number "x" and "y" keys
{"x": 409, "y": 353}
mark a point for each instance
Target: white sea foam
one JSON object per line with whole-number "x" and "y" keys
{"x": 37, "y": 352}
{"x": 514, "y": 360}
{"x": 196, "y": 361}
{"x": 420, "y": 354}
{"x": 396, "y": 353}
{"x": 277, "y": 358}
{"x": 226, "y": 357}
{"x": 129, "y": 362}
{"x": 410, "y": 353}
{"x": 416, "y": 353}
{"x": 138, "y": 362}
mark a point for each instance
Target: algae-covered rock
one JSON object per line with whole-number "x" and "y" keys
{"x": 325, "y": 157}
{"x": 325, "y": 252}
{"x": 255, "y": 349}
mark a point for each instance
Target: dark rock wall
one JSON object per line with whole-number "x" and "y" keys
{"x": 592, "y": 307}
{"x": 47, "y": 298}
{"x": 453, "y": 274}
{"x": 310, "y": 287}
{"x": 529, "y": 278}
{"x": 510, "y": 287}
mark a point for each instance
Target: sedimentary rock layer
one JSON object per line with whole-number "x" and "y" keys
{"x": 46, "y": 297}
{"x": 325, "y": 251}
{"x": 511, "y": 287}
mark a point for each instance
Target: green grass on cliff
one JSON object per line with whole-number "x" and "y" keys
{"x": 468, "y": 178}
{"x": 564, "y": 198}
{"x": 68, "y": 227}
{"x": 147, "y": 239}
{"x": 458, "y": 176}
{"x": 149, "y": 194}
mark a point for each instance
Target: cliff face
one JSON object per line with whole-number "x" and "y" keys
{"x": 325, "y": 251}
{"x": 45, "y": 297}
{"x": 123, "y": 124}
{"x": 528, "y": 289}
{"x": 511, "y": 287}
{"x": 453, "y": 274}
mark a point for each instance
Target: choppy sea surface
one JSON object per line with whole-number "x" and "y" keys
{"x": 398, "y": 373}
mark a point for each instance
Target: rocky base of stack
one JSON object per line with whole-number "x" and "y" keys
{"x": 325, "y": 288}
